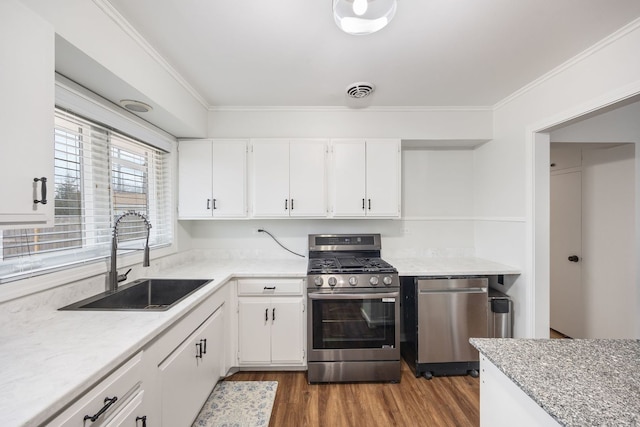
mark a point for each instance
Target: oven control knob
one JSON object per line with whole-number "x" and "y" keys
{"x": 318, "y": 281}
{"x": 332, "y": 281}
{"x": 387, "y": 280}
{"x": 373, "y": 280}
{"x": 353, "y": 280}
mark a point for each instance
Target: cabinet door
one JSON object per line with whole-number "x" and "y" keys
{"x": 307, "y": 178}
{"x": 229, "y": 178}
{"x": 194, "y": 179}
{"x": 348, "y": 177}
{"x": 383, "y": 178}
{"x": 254, "y": 330}
{"x": 130, "y": 415}
{"x": 270, "y": 174}
{"x": 26, "y": 116}
{"x": 287, "y": 339}
{"x": 187, "y": 379}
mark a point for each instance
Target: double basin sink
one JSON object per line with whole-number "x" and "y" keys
{"x": 142, "y": 295}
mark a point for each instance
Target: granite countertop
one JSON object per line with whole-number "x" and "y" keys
{"x": 578, "y": 382}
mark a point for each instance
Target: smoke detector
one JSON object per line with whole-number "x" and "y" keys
{"x": 135, "y": 106}
{"x": 360, "y": 90}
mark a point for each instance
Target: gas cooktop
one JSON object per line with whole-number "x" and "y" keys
{"x": 349, "y": 265}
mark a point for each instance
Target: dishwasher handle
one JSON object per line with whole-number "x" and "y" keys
{"x": 453, "y": 291}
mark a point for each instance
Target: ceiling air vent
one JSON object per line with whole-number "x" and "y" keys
{"x": 360, "y": 90}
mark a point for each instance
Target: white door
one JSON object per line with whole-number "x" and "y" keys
{"x": 254, "y": 330}
{"x": 270, "y": 178}
{"x": 307, "y": 178}
{"x": 229, "y": 179}
{"x": 567, "y": 306}
{"x": 348, "y": 177}
{"x": 194, "y": 179}
{"x": 383, "y": 178}
{"x": 286, "y": 330}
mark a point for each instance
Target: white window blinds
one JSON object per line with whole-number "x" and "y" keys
{"x": 99, "y": 174}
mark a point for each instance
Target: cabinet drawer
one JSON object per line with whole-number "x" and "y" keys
{"x": 273, "y": 286}
{"x": 121, "y": 384}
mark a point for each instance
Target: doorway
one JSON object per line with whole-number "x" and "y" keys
{"x": 598, "y": 124}
{"x": 592, "y": 239}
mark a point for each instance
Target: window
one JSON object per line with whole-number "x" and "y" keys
{"x": 99, "y": 175}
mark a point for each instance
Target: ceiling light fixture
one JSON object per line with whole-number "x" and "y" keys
{"x": 135, "y": 106}
{"x": 360, "y": 17}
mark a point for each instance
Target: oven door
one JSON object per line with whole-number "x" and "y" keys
{"x": 353, "y": 325}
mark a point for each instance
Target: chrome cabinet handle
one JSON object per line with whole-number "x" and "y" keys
{"x": 107, "y": 404}
{"x": 362, "y": 204}
{"x": 143, "y": 419}
{"x": 266, "y": 314}
{"x": 208, "y": 204}
{"x": 291, "y": 204}
{"x": 43, "y": 190}
{"x": 273, "y": 315}
{"x": 286, "y": 204}
{"x": 214, "y": 204}
{"x": 369, "y": 204}
{"x": 204, "y": 346}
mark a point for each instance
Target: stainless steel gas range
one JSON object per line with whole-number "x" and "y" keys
{"x": 353, "y": 310}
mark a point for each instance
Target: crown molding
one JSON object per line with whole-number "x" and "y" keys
{"x": 620, "y": 33}
{"x": 116, "y": 17}
{"x": 387, "y": 109}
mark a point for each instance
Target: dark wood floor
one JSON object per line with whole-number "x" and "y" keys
{"x": 442, "y": 401}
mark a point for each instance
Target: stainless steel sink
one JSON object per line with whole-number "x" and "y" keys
{"x": 142, "y": 295}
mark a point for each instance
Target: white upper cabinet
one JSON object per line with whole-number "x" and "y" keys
{"x": 26, "y": 118}
{"x": 212, "y": 179}
{"x": 289, "y": 178}
{"x": 365, "y": 178}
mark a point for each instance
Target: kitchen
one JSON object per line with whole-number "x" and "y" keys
{"x": 489, "y": 160}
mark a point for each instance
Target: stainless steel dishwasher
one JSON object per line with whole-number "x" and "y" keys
{"x": 439, "y": 317}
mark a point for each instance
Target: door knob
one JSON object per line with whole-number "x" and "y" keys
{"x": 574, "y": 258}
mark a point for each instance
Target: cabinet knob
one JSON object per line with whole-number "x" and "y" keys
{"x": 574, "y": 258}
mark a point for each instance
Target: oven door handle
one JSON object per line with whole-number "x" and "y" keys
{"x": 376, "y": 295}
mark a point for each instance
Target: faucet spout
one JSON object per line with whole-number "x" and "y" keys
{"x": 114, "y": 278}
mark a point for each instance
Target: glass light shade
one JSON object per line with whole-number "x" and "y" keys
{"x": 361, "y": 17}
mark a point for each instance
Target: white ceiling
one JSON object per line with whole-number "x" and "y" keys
{"x": 259, "y": 53}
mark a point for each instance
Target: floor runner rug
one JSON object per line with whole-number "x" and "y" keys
{"x": 238, "y": 404}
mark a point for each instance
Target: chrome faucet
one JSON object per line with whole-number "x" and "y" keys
{"x": 114, "y": 277}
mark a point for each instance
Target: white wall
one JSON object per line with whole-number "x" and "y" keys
{"x": 439, "y": 124}
{"x": 511, "y": 169}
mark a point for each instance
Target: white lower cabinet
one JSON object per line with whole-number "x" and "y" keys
{"x": 504, "y": 404}
{"x": 271, "y": 322}
{"x": 191, "y": 370}
{"x": 114, "y": 401}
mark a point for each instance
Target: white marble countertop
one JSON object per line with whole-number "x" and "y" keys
{"x": 435, "y": 266}
{"x": 51, "y": 356}
{"x": 578, "y": 382}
